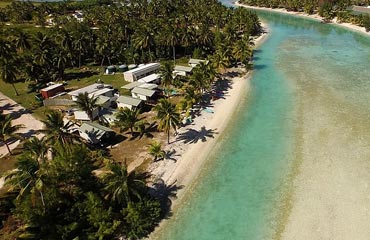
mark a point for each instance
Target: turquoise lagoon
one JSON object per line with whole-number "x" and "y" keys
{"x": 303, "y": 66}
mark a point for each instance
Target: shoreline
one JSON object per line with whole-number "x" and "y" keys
{"x": 194, "y": 156}
{"x": 346, "y": 25}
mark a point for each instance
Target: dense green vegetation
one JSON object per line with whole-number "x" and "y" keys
{"x": 55, "y": 192}
{"x": 63, "y": 199}
{"x": 328, "y": 9}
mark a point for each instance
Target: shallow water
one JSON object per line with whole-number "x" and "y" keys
{"x": 305, "y": 72}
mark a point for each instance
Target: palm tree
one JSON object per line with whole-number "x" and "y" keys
{"x": 127, "y": 119}
{"x": 22, "y": 41}
{"x": 27, "y": 178}
{"x": 56, "y": 131}
{"x": 168, "y": 116}
{"x": 37, "y": 148}
{"x": 166, "y": 72}
{"x": 87, "y": 104}
{"x": 155, "y": 149}
{"x": 122, "y": 186}
{"x": 8, "y": 72}
{"x": 8, "y": 131}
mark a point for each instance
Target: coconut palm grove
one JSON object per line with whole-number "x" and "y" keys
{"x": 63, "y": 187}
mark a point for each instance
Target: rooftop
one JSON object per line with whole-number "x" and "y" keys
{"x": 179, "y": 68}
{"x": 359, "y": 10}
{"x": 90, "y": 89}
{"x": 150, "y": 78}
{"x": 132, "y": 85}
{"x": 144, "y": 92}
{"x": 146, "y": 66}
{"x": 129, "y": 100}
{"x": 197, "y": 61}
{"x": 52, "y": 87}
{"x": 150, "y": 86}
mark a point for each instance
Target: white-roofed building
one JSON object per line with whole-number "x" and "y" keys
{"x": 182, "y": 70}
{"x": 152, "y": 78}
{"x": 141, "y": 72}
{"x": 194, "y": 62}
{"x": 128, "y": 102}
{"x": 142, "y": 93}
{"x": 91, "y": 90}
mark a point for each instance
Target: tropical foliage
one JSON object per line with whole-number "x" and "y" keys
{"x": 328, "y": 9}
{"x": 64, "y": 199}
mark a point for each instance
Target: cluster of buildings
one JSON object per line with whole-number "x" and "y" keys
{"x": 144, "y": 88}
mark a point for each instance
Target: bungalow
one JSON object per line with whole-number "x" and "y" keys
{"x": 182, "y": 70}
{"x": 52, "y": 90}
{"x": 194, "y": 62}
{"x": 152, "y": 78}
{"x": 141, "y": 72}
{"x": 128, "y": 102}
{"x": 96, "y": 89}
{"x": 142, "y": 93}
{"x": 94, "y": 132}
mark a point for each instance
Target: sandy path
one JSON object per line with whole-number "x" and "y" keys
{"x": 21, "y": 116}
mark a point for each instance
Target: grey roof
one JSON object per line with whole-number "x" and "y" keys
{"x": 102, "y": 100}
{"x": 132, "y": 85}
{"x": 197, "y": 61}
{"x": 144, "y": 67}
{"x": 150, "y": 78}
{"x": 150, "y": 86}
{"x": 360, "y": 10}
{"x": 94, "y": 131}
{"x": 182, "y": 68}
{"x": 129, "y": 100}
{"x": 144, "y": 92}
{"x": 89, "y": 89}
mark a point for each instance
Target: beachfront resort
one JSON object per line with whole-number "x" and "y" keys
{"x": 101, "y": 100}
{"x": 184, "y": 120}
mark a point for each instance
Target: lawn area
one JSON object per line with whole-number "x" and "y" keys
{"x": 75, "y": 79}
{"x": 4, "y": 3}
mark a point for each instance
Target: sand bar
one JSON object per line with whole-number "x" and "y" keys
{"x": 328, "y": 197}
{"x": 311, "y": 16}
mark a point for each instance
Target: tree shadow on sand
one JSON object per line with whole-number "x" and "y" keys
{"x": 166, "y": 194}
{"x": 193, "y": 136}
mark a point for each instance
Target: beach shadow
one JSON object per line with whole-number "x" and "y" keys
{"x": 8, "y": 106}
{"x": 171, "y": 155}
{"x": 194, "y": 136}
{"x": 19, "y": 113}
{"x": 166, "y": 194}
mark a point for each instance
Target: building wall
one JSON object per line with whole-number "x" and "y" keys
{"x": 122, "y": 105}
{"x": 135, "y": 95}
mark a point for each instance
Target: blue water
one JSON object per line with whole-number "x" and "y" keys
{"x": 237, "y": 195}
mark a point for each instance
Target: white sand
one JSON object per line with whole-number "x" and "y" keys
{"x": 31, "y": 124}
{"x": 191, "y": 157}
{"x": 312, "y": 16}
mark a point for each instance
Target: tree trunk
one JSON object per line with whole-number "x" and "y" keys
{"x": 79, "y": 59}
{"x": 168, "y": 136}
{"x": 15, "y": 90}
{"x": 7, "y": 146}
{"x": 174, "y": 54}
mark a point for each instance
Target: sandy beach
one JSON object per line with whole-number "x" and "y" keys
{"x": 191, "y": 156}
{"x": 312, "y": 16}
